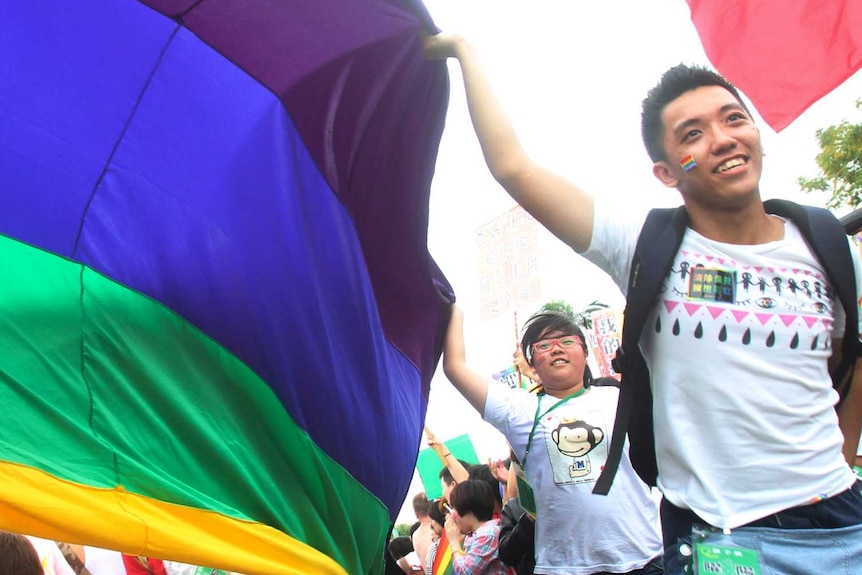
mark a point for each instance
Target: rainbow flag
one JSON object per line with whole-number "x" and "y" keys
{"x": 218, "y": 315}
{"x": 688, "y": 163}
{"x": 443, "y": 560}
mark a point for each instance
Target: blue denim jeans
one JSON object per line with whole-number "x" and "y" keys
{"x": 824, "y": 537}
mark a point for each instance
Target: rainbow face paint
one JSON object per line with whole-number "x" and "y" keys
{"x": 688, "y": 163}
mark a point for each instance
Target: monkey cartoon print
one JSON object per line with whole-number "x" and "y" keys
{"x": 576, "y": 445}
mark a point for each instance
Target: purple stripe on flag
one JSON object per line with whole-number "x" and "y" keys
{"x": 211, "y": 203}
{"x": 370, "y": 110}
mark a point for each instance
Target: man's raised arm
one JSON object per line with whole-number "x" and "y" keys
{"x": 559, "y": 205}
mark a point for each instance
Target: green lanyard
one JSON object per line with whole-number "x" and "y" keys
{"x": 539, "y": 417}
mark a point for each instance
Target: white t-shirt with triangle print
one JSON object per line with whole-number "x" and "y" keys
{"x": 737, "y": 346}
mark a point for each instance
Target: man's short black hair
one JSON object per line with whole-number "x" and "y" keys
{"x": 673, "y": 84}
{"x": 543, "y": 323}
{"x": 446, "y": 475}
{"x": 474, "y": 496}
{"x": 400, "y": 546}
{"x": 435, "y": 510}
{"x": 481, "y": 472}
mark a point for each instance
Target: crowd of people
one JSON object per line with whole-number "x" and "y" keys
{"x": 729, "y": 445}
{"x": 730, "y": 442}
{"x": 29, "y": 555}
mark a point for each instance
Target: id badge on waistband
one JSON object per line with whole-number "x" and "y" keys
{"x": 715, "y": 553}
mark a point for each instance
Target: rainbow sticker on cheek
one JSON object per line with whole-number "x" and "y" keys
{"x": 688, "y": 163}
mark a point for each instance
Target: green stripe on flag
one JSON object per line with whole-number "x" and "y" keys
{"x": 109, "y": 387}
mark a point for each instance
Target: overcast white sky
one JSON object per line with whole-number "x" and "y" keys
{"x": 571, "y": 75}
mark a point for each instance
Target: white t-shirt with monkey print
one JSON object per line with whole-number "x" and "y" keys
{"x": 577, "y": 533}
{"x": 738, "y": 344}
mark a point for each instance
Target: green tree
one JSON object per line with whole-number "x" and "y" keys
{"x": 401, "y": 530}
{"x": 559, "y": 305}
{"x": 840, "y": 161}
{"x": 584, "y": 317}
{"x": 581, "y": 318}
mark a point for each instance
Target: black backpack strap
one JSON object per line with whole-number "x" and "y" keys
{"x": 606, "y": 382}
{"x": 827, "y": 238}
{"x": 656, "y": 247}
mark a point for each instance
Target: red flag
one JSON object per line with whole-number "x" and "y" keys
{"x": 783, "y": 54}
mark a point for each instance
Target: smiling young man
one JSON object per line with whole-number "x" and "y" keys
{"x": 561, "y": 438}
{"x": 738, "y": 342}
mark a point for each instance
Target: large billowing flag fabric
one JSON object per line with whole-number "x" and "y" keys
{"x": 218, "y": 315}
{"x": 783, "y": 54}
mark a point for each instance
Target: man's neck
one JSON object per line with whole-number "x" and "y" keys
{"x": 747, "y": 226}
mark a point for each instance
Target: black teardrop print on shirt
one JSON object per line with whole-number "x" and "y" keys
{"x": 746, "y": 337}
{"x": 676, "y": 327}
{"x": 828, "y": 343}
{"x": 698, "y": 331}
{"x": 814, "y": 343}
{"x": 658, "y": 324}
{"x": 722, "y": 335}
{"x": 770, "y": 341}
{"x": 794, "y": 343}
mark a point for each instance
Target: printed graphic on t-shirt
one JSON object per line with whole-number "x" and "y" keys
{"x": 720, "y": 299}
{"x": 577, "y": 447}
{"x": 709, "y": 284}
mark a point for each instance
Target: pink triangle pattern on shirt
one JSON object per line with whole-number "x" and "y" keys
{"x": 827, "y": 323}
{"x": 670, "y": 305}
{"x": 763, "y": 317}
{"x": 787, "y": 319}
{"x": 739, "y": 314}
{"x": 723, "y": 261}
{"x": 714, "y": 311}
{"x": 691, "y": 308}
{"x": 758, "y": 269}
{"x": 810, "y": 320}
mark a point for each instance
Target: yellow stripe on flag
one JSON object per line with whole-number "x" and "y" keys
{"x": 37, "y": 503}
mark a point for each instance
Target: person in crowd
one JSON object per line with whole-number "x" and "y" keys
{"x": 454, "y": 470}
{"x": 140, "y": 565}
{"x": 50, "y": 556}
{"x": 560, "y": 436}
{"x": 482, "y": 472}
{"x": 401, "y": 550}
{"x": 447, "y": 477}
{"x": 517, "y": 530}
{"x": 436, "y": 519}
{"x": 723, "y": 338}
{"x": 423, "y": 536}
{"x": 473, "y": 516}
{"x": 18, "y": 556}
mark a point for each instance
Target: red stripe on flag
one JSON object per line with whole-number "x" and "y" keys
{"x": 783, "y": 54}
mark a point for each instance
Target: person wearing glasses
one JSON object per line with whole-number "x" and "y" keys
{"x": 561, "y": 438}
